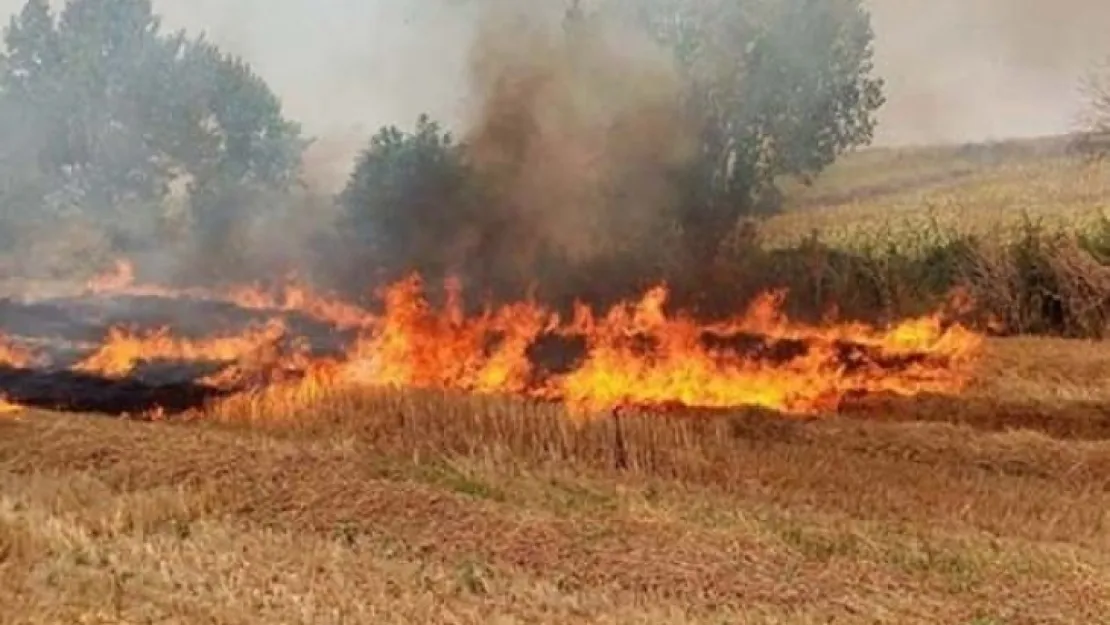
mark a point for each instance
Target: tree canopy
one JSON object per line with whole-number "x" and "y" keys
{"x": 105, "y": 114}
{"x": 770, "y": 89}
{"x": 110, "y": 122}
{"x": 408, "y": 202}
{"x": 777, "y": 88}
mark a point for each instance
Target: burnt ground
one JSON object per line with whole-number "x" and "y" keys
{"x": 66, "y": 329}
{"x": 87, "y": 319}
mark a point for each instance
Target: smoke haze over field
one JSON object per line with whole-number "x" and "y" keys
{"x": 577, "y": 139}
{"x": 956, "y": 70}
{"x": 961, "y": 70}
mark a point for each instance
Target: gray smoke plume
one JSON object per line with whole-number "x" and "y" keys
{"x": 956, "y": 70}
{"x": 576, "y": 125}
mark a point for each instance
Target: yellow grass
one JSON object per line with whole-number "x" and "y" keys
{"x": 418, "y": 508}
{"x": 899, "y": 196}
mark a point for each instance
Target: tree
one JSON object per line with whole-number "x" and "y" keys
{"x": 109, "y": 113}
{"x": 29, "y": 75}
{"x": 767, "y": 89}
{"x": 1093, "y": 139}
{"x": 409, "y": 205}
{"x": 238, "y": 150}
{"x": 777, "y": 88}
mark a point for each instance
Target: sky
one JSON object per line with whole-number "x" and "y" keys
{"x": 956, "y": 70}
{"x": 965, "y": 70}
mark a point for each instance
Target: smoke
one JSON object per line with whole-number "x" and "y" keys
{"x": 343, "y": 68}
{"x": 575, "y": 129}
{"x": 957, "y": 70}
{"x": 579, "y": 137}
{"x": 969, "y": 70}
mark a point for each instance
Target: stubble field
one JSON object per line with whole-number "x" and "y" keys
{"x": 984, "y": 507}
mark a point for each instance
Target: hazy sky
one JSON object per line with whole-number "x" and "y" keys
{"x": 956, "y": 69}
{"x": 974, "y": 69}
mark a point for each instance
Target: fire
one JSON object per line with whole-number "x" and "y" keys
{"x": 120, "y": 280}
{"x": 121, "y": 276}
{"x": 297, "y": 297}
{"x": 123, "y": 350}
{"x": 8, "y": 408}
{"x": 15, "y": 356}
{"x": 415, "y": 346}
{"x": 293, "y": 297}
{"x": 636, "y": 354}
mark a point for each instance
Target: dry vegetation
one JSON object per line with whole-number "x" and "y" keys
{"x": 325, "y": 507}
{"x": 424, "y": 508}
{"x": 1019, "y": 226}
{"x": 910, "y": 197}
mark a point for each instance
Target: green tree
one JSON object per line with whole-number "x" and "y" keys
{"x": 777, "y": 88}
{"x": 238, "y": 149}
{"x": 770, "y": 89}
{"x": 408, "y": 205}
{"x": 110, "y": 112}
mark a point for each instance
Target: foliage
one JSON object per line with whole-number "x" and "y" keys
{"x": 773, "y": 89}
{"x": 1093, "y": 138}
{"x": 106, "y": 114}
{"x": 1042, "y": 282}
{"x": 777, "y": 89}
{"x": 409, "y": 197}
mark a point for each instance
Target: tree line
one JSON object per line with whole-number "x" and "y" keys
{"x": 114, "y": 125}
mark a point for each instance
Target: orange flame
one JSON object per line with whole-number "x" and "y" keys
{"x": 120, "y": 278}
{"x": 123, "y": 350}
{"x": 416, "y": 346}
{"x": 634, "y": 354}
{"x": 413, "y": 345}
{"x": 7, "y": 408}
{"x": 15, "y": 356}
{"x": 299, "y": 298}
{"x": 293, "y": 297}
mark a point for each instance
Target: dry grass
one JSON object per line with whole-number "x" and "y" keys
{"x": 1023, "y": 228}
{"x": 909, "y": 197}
{"x": 404, "y": 507}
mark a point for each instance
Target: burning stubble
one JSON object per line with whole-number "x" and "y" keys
{"x": 633, "y": 355}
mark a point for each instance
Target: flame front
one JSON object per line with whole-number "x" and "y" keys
{"x": 293, "y": 297}
{"x": 635, "y": 354}
{"x": 123, "y": 350}
{"x": 8, "y": 408}
{"x": 15, "y": 356}
{"x": 415, "y": 346}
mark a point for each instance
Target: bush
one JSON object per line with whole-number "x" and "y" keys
{"x": 1042, "y": 283}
